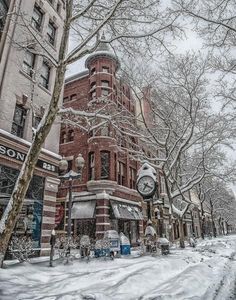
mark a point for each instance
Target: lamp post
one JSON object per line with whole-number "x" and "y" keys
{"x": 70, "y": 176}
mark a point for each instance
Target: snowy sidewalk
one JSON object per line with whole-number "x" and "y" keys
{"x": 206, "y": 272}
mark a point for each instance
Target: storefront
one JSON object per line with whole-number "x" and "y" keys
{"x": 29, "y": 221}
{"x": 37, "y": 217}
{"x": 125, "y": 218}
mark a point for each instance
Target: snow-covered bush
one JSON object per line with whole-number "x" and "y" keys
{"x": 21, "y": 248}
{"x": 63, "y": 247}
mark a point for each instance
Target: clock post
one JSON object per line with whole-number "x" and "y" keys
{"x": 147, "y": 184}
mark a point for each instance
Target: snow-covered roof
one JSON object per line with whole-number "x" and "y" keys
{"x": 150, "y": 231}
{"x": 103, "y": 50}
{"x": 147, "y": 170}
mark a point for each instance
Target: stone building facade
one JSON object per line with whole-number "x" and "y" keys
{"x": 29, "y": 29}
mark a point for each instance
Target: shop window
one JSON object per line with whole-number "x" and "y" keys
{"x": 51, "y": 33}
{"x": 37, "y": 18}
{"x": 28, "y": 63}
{"x": 91, "y": 166}
{"x": 45, "y": 75}
{"x": 121, "y": 173}
{"x": 70, "y": 137}
{"x": 105, "y": 164}
{"x": 18, "y": 123}
{"x": 105, "y": 69}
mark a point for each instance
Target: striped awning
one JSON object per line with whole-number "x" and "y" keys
{"x": 126, "y": 211}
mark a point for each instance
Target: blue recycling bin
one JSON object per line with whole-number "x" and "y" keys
{"x": 124, "y": 245}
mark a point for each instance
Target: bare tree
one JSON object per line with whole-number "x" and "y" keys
{"x": 126, "y": 21}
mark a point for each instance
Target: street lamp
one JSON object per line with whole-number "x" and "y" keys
{"x": 70, "y": 176}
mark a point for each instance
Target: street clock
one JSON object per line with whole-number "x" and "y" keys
{"x": 146, "y": 186}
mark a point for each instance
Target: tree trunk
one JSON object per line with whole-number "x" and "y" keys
{"x": 202, "y": 222}
{"x": 14, "y": 206}
{"x": 181, "y": 233}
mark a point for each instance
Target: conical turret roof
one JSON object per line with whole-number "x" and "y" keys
{"x": 103, "y": 50}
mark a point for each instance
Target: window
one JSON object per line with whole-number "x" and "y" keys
{"x": 70, "y": 135}
{"x": 73, "y": 97}
{"x": 93, "y": 85}
{"x": 105, "y": 130}
{"x": 105, "y": 69}
{"x": 121, "y": 173}
{"x": 93, "y": 71}
{"x": 3, "y": 14}
{"x": 51, "y": 34}
{"x": 63, "y": 137}
{"x": 105, "y": 83}
{"x": 28, "y": 63}
{"x": 91, "y": 166}
{"x": 132, "y": 178}
{"x": 18, "y": 121}
{"x": 37, "y": 18}
{"x": 65, "y": 99}
{"x": 59, "y": 7}
{"x": 105, "y": 92}
{"x": 105, "y": 165}
{"x": 45, "y": 75}
{"x": 36, "y": 121}
{"x": 93, "y": 94}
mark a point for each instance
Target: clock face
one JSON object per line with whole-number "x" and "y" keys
{"x": 146, "y": 186}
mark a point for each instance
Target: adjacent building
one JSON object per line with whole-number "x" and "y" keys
{"x": 30, "y": 35}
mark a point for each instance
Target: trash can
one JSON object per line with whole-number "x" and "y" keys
{"x": 164, "y": 245}
{"x": 124, "y": 245}
{"x": 101, "y": 249}
{"x": 114, "y": 241}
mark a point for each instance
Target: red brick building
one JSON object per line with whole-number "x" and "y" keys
{"x": 106, "y": 197}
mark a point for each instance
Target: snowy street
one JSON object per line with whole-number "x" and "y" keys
{"x": 206, "y": 272}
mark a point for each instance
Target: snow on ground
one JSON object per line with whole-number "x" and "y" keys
{"x": 206, "y": 272}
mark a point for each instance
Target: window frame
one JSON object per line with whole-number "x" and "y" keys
{"x": 51, "y": 38}
{"x": 29, "y": 67}
{"x": 37, "y": 24}
{"x": 20, "y": 126}
{"x": 46, "y": 80}
{"x": 105, "y": 167}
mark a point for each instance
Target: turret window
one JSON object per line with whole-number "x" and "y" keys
{"x": 105, "y": 165}
{"x": 105, "y": 83}
{"x": 93, "y": 71}
{"x": 105, "y": 69}
{"x": 91, "y": 166}
{"x": 105, "y": 92}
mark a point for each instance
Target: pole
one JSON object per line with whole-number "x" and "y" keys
{"x": 69, "y": 208}
{"x": 148, "y": 210}
{"x": 52, "y": 243}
